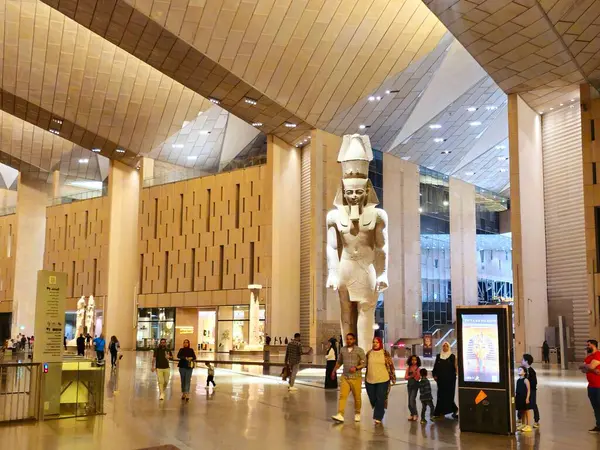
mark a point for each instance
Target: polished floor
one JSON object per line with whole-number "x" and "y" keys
{"x": 252, "y": 412}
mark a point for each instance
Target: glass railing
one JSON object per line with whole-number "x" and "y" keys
{"x": 7, "y": 211}
{"x": 85, "y": 195}
{"x": 226, "y": 166}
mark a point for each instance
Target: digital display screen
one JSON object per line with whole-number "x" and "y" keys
{"x": 480, "y": 348}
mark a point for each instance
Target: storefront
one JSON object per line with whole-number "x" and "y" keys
{"x": 153, "y": 325}
{"x": 234, "y": 327}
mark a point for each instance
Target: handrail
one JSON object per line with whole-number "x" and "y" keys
{"x": 441, "y": 340}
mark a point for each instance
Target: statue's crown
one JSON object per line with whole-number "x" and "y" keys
{"x": 355, "y": 155}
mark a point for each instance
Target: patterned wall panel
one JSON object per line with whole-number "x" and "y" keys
{"x": 77, "y": 243}
{"x": 205, "y": 235}
{"x": 8, "y": 227}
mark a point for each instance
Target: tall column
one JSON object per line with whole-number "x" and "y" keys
{"x": 283, "y": 162}
{"x": 32, "y": 199}
{"x": 123, "y": 258}
{"x": 402, "y": 300}
{"x": 528, "y": 226}
{"x": 463, "y": 244}
{"x": 56, "y": 184}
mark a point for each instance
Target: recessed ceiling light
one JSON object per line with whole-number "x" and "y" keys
{"x": 120, "y": 150}
{"x": 362, "y": 127}
{"x": 503, "y": 170}
{"x": 388, "y": 92}
{"x": 435, "y": 126}
{"x": 378, "y": 98}
{"x": 371, "y": 98}
{"x": 475, "y": 124}
{"x": 177, "y": 145}
{"x": 214, "y": 100}
{"x": 471, "y": 109}
{"x": 96, "y": 150}
{"x": 58, "y": 121}
{"x": 469, "y": 173}
{"x": 500, "y": 147}
{"x": 54, "y": 131}
{"x": 561, "y": 104}
{"x": 502, "y": 158}
{"x": 250, "y": 101}
{"x": 257, "y": 124}
{"x": 491, "y": 108}
{"x": 438, "y": 140}
{"x": 540, "y": 112}
{"x": 405, "y": 158}
{"x": 431, "y": 167}
{"x": 84, "y": 161}
{"x": 572, "y": 99}
{"x": 204, "y": 132}
{"x": 446, "y": 152}
{"x": 290, "y": 125}
{"x": 192, "y": 157}
{"x": 551, "y": 109}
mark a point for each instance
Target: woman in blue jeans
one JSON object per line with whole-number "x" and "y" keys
{"x": 186, "y": 357}
{"x": 413, "y": 375}
{"x": 381, "y": 374}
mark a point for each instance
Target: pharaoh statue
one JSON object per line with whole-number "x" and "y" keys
{"x": 90, "y": 316}
{"x": 357, "y": 244}
{"x": 80, "y": 316}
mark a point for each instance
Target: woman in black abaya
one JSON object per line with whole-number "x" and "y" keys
{"x": 331, "y": 356}
{"x": 444, "y": 373}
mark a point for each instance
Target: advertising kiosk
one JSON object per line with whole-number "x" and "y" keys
{"x": 486, "y": 369}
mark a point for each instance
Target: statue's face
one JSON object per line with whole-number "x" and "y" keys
{"x": 355, "y": 191}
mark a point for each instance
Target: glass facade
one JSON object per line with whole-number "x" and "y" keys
{"x": 153, "y": 325}
{"x": 436, "y": 287}
{"x": 233, "y": 325}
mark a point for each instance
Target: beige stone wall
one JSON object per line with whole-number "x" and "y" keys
{"x": 8, "y": 235}
{"x": 402, "y": 300}
{"x": 77, "y": 236}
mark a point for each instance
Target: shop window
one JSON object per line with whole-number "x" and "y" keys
{"x": 155, "y": 324}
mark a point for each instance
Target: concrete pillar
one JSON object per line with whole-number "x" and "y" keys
{"x": 283, "y": 165}
{"x": 528, "y": 227}
{"x": 56, "y": 184}
{"x": 120, "y": 307}
{"x": 402, "y": 300}
{"x": 32, "y": 199}
{"x": 463, "y": 244}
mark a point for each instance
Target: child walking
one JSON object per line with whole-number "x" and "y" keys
{"x": 523, "y": 401}
{"x": 425, "y": 395}
{"x": 211, "y": 375}
{"x": 413, "y": 375}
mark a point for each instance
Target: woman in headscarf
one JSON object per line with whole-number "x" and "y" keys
{"x": 331, "y": 356}
{"x": 380, "y": 376}
{"x": 444, "y": 373}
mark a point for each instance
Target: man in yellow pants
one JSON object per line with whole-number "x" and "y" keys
{"x": 352, "y": 358}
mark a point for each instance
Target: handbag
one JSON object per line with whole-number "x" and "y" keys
{"x": 285, "y": 372}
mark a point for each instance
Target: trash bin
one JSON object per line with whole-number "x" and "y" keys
{"x": 554, "y": 356}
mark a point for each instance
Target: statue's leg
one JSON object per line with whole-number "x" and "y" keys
{"x": 366, "y": 319}
{"x": 348, "y": 313}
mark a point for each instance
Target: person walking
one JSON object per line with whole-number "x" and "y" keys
{"x": 113, "y": 348}
{"x": 187, "y": 360}
{"x": 80, "y": 345}
{"x": 425, "y": 396}
{"x": 444, "y": 373}
{"x": 160, "y": 365}
{"x": 293, "y": 356}
{"x": 211, "y": 376}
{"x": 413, "y": 375}
{"x": 353, "y": 359}
{"x": 99, "y": 345}
{"x": 379, "y": 377}
{"x": 546, "y": 353}
{"x": 331, "y": 357}
{"x": 88, "y": 341}
{"x": 592, "y": 372}
{"x": 532, "y": 378}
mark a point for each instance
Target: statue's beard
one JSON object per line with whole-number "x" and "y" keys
{"x": 355, "y": 212}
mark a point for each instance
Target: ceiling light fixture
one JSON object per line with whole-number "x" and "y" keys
{"x": 491, "y": 108}
{"x": 250, "y": 101}
{"x": 469, "y": 174}
{"x": 362, "y": 127}
{"x": 388, "y": 92}
{"x": 214, "y": 100}
{"x": 120, "y": 150}
{"x": 446, "y": 152}
{"x": 475, "y": 124}
{"x": 502, "y": 158}
{"x": 551, "y": 109}
{"x": 257, "y": 124}
{"x": 96, "y": 150}
{"x": 58, "y": 121}
{"x": 471, "y": 109}
{"x": 435, "y": 126}
{"x": 177, "y": 146}
{"x": 205, "y": 132}
{"x": 290, "y": 125}
{"x": 500, "y": 147}
{"x": 561, "y": 104}
{"x": 503, "y": 170}
{"x": 84, "y": 161}
{"x": 438, "y": 140}
{"x": 371, "y": 98}
{"x": 192, "y": 157}
{"x": 54, "y": 131}
{"x": 378, "y": 98}
{"x": 405, "y": 158}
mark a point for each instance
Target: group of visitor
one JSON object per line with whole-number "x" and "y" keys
{"x": 186, "y": 358}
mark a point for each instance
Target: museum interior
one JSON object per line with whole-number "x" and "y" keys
{"x": 233, "y": 172}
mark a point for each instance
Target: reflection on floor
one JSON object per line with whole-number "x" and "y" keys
{"x": 258, "y": 413}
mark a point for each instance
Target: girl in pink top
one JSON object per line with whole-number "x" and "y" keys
{"x": 412, "y": 375}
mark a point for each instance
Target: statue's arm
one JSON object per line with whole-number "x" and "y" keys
{"x": 332, "y": 251}
{"x": 381, "y": 249}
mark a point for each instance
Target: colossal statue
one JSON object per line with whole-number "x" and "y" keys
{"x": 357, "y": 243}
